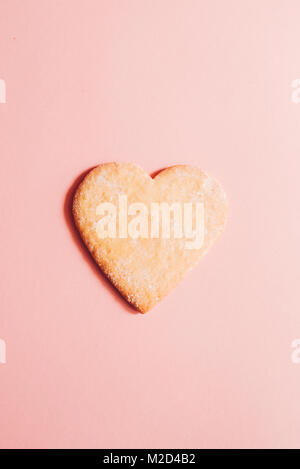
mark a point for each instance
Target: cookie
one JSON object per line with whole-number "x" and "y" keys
{"x": 146, "y": 233}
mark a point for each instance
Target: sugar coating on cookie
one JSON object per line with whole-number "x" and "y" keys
{"x": 144, "y": 270}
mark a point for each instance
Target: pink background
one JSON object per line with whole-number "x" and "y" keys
{"x": 156, "y": 82}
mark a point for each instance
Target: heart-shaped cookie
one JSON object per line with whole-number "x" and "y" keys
{"x": 115, "y": 209}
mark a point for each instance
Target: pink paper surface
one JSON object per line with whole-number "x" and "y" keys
{"x": 157, "y": 83}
